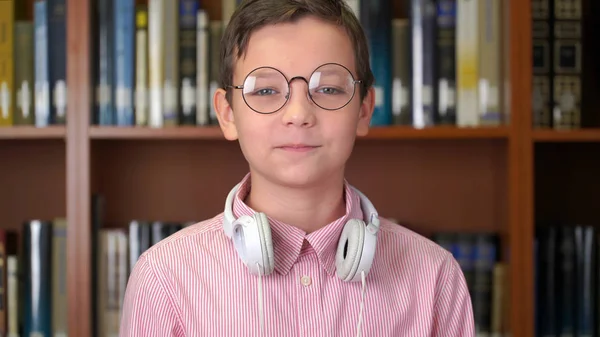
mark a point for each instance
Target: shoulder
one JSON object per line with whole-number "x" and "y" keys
{"x": 398, "y": 239}
{"x": 190, "y": 245}
{"x": 404, "y": 250}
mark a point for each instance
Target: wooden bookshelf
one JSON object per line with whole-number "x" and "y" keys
{"x": 500, "y": 179}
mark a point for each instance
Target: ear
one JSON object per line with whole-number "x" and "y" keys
{"x": 225, "y": 115}
{"x": 365, "y": 113}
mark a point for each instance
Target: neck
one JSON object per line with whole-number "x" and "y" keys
{"x": 307, "y": 208}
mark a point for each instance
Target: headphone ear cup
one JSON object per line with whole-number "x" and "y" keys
{"x": 350, "y": 248}
{"x": 266, "y": 242}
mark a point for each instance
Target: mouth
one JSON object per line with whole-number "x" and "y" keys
{"x": 298, "y": 147}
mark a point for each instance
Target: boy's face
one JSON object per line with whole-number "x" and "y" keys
{"x": 301, "y": 144}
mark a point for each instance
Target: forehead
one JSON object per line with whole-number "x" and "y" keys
{"x": 296, "y": 48}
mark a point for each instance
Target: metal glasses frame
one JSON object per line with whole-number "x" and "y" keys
{"x": 289, "y": 91}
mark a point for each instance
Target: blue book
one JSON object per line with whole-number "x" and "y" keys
{"x": 37, "y": 276}
{"x": 105, "y": 78}
{"x": 376, "y": 19}
{"x": 42, "y": 71}
{"x": 124, "y": 54}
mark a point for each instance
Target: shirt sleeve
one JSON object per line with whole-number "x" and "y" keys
{"x": 453, "y": 312}
{"x": 147, "y": 308}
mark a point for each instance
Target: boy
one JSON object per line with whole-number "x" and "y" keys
{"x": 297, "y": 251}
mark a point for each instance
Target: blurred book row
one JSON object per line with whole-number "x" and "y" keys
{"x": 155, "y": 63}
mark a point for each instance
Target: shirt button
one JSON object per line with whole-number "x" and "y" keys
{"x": 305, "y": 280}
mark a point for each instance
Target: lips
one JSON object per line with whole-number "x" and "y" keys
{"x": 297, "y": 147}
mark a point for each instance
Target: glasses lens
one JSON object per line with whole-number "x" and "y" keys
{"x": 265, "y": 90}
{"x": 331, "y": 86}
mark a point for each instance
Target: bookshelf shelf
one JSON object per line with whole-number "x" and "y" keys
{"x": 214, "y": 133}
{"x": 32, "y": 132}
{"x": 438, "y": 132}
{"x": 178, "y": 132}
{"x": 581, "y": 135}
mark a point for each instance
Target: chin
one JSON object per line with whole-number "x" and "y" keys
{"x": 299, "y": 177}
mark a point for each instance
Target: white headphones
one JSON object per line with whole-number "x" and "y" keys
{"x": 252, "y": 240}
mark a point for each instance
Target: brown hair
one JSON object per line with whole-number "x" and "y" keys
{"x": 253, "y": 14}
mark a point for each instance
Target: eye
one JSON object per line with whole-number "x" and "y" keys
{"x": 330, "y": 91}
{"x": 264, "y": 92}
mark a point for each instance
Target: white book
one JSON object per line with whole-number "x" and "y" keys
{"x": 156, "y": 10}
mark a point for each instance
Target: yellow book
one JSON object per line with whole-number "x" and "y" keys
{"x": 7, "y": 19}
{"x": 467, "y": 62}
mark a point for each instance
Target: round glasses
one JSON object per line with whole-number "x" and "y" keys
{"x": 266, "y": 89}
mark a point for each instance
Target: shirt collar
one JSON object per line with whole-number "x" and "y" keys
{"x": 288, "y": 240}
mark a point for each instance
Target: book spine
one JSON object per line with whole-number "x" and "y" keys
{"x": 567, "y": 292}
{"x": 57, "y": 60}
{"x": 216, "y": 32}
{"x": 203, "y": 105}
{"x": 104, "y": 95}
{"x": 3, "y": 286}
{"x": 567, "y": 64}
{"x": 113, "y": 277}
{"x": 139, "y": 237}
{"x": 376, "y": 19}
{"x": 467, "y": 62}
{"x": 123, "y": 35}
{"x": 37, "y": 275}
{"x": 446, "y": 63}
{"x": 156, "y": 48}
{"x": 42, "y": 72}
{"x": 484, "y": 258}
{"x": 171, "y": 63}
{"x": 7, "y": 10}
{"x": 542, "y": 35}
{"x": 490, "y": 81}
{"x": 24, "y": 78}
{"x": 188, "y": 16}
{"x": 12, "y": 306}
{"x": 401, "y": 73}
{"x": 584, "y": 241}
{"x": 59, "y": 278}
{"x": 141, "y": 66}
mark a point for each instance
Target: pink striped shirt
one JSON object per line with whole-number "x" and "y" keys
{"x": 194, "y": 284}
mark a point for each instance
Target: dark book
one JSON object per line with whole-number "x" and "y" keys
{"x": 376, "y": 19}
{"x": 546, "y": 281}
{"x": 445, "y": 63}
{"x": 542, "y": 90}
{"x": 567, "y": 278}
{"x": 37, "y": 276}
{"x": 105, "y": 114}
{"x": 567, "y": 64}
{"x": 57, "y": 60}
{"x": 586, "y": 281}
{"x": 485, "y": 256}
{"x": 188, "y": 14}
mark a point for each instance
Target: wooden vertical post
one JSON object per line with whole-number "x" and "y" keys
{"x": 78, "y": 167}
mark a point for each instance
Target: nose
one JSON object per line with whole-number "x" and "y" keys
{"x": 299, "y": 110}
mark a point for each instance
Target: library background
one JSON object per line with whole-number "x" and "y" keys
{"x": 491, "y": 119}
